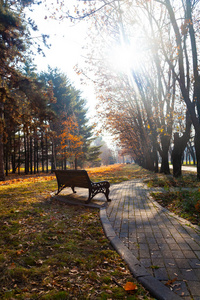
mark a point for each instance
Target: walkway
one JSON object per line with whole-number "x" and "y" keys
{"x": 162, "y": 251}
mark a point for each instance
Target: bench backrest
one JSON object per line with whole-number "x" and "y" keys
{"x": 76, "y": 178}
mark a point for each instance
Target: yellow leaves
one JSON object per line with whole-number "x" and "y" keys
{"x": 160, "y": 130}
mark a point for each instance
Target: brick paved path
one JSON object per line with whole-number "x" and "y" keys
{"x": 164, "y": 244}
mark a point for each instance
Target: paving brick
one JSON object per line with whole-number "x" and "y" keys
{"x": 174, "y": 246}
{"x": 144, "y": 246}
{"x": 161, "y": 274}
{"x": 166, "y": 253}
{"x": 194, "y": 288}
{"x": 177, "y": 254}
{"x": 197, "y": 273}
{"x": 183, "y": 263}
{"x": 180, "y": 288}
{"x": 194, "y": 246}
{"x": 189, "y": 254}
{"x": 156, "y": 254}
{"x": 158, "y": 262}
{"x": 154, "y": 247}
{"x": 156, "y": 238}
{"x": 194, "y": 263}
{"x": 189, "y": 275}
{"x": 144, "y": 253}
{"x": 184, "y": 246}
{"x": 170, "y": 263}
{"x": 146, "y": 262}
{"x": 151, "y": 240}
{"x": 197, "y": 254}
{"x": 175, "y": 274}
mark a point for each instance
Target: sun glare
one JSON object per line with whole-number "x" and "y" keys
{"x": 124, "y": 58}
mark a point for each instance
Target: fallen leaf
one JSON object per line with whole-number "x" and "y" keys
{"x": 19, "y": 252}
{"x": 169, "y": 282}
{"x": 130, "y": 286}
{"x": 12, "y": 266}
{"x": 39, "y": 262}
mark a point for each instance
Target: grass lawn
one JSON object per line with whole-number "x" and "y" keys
{"x": 50, "y": 250}
{"x": 180, "y": 195}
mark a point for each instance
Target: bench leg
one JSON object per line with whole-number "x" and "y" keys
{"x": 107, "y": 194}
{"x": 99, "y": 187}
{"x": 89, "y": 197}
{"x": 72, "y": 187}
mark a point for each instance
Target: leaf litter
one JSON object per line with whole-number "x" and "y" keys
{"x": 49, "y": 250}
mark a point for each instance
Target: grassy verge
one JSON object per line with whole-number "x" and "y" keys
{"x": 180, "y": 195}
{"x": 49, "y": 250}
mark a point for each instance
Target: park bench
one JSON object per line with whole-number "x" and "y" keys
{"x": 80, "y": 178}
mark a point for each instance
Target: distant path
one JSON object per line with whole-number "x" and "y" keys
{"x": 185, "y": 168}
{"x": 189, "y": 168}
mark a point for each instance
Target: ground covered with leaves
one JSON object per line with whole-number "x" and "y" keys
{"x": 179, "y": 195}
{"x": 118, "y": 173}
{"x": 50, "y": 250}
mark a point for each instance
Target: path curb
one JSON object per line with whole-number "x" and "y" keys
{"x": 154, "y": 286}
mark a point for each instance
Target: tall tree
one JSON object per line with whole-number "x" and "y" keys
{"x": 68, "y": 107}
{"x": 14, "y": 42}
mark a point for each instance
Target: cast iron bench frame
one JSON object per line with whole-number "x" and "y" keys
{"x": 80, "y": 178}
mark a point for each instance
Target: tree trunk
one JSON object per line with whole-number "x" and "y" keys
{"x": 42, "y": 151}
{"x": 19, "y": 155}
{"x": 6, "y": 154}
{"x": 177, "y": 153}
{"x": 53, "y": 157}
{"x": 47, "y": 160}
{"x": 2, "y": 175}
{"x": 75, "y": 163}
{"x": 165, "y": 142}
{"x": 197, "y": 149}
{"x": 179, "y": 146}
{"x": 155, "y": 155}
{"x": 31, "y": 154}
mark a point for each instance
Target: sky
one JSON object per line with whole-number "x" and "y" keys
{"x": 66, "y": 41}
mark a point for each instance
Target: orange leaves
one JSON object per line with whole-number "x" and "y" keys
{"x": 27, "y": 179}
{"x": 12, "y": 266}
{"x": 169, "y": 282}
{"x": 130, "y": 287}
{"x": 20, "y": 251}
{"x": 197, "y": 206}
{"x": 71, "y": 141}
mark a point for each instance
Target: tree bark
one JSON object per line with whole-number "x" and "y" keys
{"x": 2, "y": 175}
{"x": 165, "y": 142}
{"x": 19, "y": 155}
{"x": 47, "y": 158}
{"x": 75, "y": 163}
{"x": 179, "y": 146}
{"x": 197, "y": 149}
